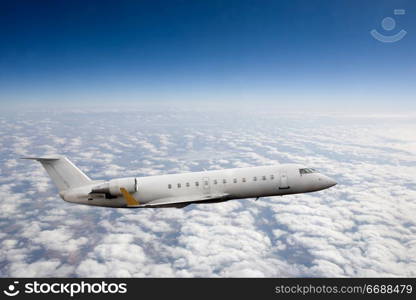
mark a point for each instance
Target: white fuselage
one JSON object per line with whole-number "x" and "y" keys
{"x": 238, "y": 183}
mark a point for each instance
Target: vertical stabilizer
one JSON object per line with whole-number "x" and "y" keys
{"x": 63, "y": 172}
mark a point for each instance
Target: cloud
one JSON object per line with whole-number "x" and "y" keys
{"x": 364, "y": 226}
{"x": 41, "y": 268}
{"x": 59, "y": 240}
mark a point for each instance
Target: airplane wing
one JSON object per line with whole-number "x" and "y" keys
{"x": 180, "y": 201}
{"x": 186, "y": 200}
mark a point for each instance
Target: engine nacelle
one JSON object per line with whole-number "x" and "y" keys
{"x": 113, "y": 186}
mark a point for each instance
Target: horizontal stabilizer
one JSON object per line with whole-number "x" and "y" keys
{"x": 41, "y": 158}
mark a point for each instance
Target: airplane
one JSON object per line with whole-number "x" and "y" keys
{"x": 180, "y": 190}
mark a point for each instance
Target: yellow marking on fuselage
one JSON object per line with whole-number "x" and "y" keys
{"x": 130, "y": 200}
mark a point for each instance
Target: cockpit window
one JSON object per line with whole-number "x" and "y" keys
{"x": 307, "y": 171}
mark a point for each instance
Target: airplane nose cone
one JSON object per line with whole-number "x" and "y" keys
{"x": 331, "y": 182}
{"x": 325, "y": 182}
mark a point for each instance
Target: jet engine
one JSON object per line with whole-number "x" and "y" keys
{"x": 113, "y": 186}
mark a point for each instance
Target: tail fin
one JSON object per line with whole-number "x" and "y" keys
{"x": 63, "y": 172}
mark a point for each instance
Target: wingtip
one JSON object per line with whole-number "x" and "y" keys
{"x": 130, "y": 200}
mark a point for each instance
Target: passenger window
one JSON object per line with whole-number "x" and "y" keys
{"x": 179, "y": 185}
{"x": 254, "y": 178}
{"x": 206, "y": 183}
{"x": 196, "y": 183}
{"x": 271, "y": 177}
{"x": 187, "y": 184}
{"x": 169, "y": 186}
{"x": 264, "y": 177}
{"x": 224, "y": 181}
{"x": 235, "y": 180}
{"x": 243, "y": 180}
{"x": 215, "y": 181}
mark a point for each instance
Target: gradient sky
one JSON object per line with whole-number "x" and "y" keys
{"x": 284, "y": 52}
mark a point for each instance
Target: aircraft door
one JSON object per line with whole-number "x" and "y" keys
{"x": 206, "y": 185}
{"x": 283, "y": 182}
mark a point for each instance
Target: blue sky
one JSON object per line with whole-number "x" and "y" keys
{"x": 289, "y": 53}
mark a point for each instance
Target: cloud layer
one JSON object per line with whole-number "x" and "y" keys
{"x": 364, "y": 226}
